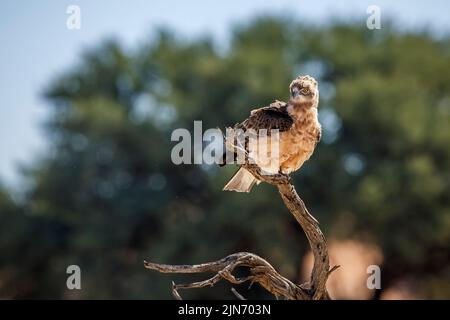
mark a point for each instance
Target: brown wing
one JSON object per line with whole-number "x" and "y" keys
{"x": 272, "y": 117}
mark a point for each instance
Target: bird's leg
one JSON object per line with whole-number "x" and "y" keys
{"x": 280, "y": 176}
{"x": 285, "y": 175}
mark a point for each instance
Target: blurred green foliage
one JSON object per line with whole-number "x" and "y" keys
{"x": 107, "y": 195}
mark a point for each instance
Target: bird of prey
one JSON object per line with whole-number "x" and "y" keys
{"x": 298, "y": 127}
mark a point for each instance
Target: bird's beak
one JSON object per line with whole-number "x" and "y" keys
{"x": 295, "y": 92}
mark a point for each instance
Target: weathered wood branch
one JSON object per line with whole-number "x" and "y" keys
{"x": 260, "y": 271}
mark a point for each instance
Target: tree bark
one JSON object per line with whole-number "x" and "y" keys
{"x": 260, "y": 271}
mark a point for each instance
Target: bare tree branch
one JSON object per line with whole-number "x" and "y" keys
{"x": 260, "y": 270}
{"x": 237, "y": 294}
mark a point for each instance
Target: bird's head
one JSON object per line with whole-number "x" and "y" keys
{"x": 304, "y": 90}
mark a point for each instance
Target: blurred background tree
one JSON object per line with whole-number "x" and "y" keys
{"x": 107, "y": 195}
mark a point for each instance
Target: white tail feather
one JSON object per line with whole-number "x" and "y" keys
{"x": 242, "y": 181}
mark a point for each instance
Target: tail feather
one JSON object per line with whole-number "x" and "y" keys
{"x": 242, "y": 181}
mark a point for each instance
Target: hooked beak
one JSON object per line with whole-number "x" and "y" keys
{"x": 295, "y": 92}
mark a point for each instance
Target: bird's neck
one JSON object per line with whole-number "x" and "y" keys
{"x": 298, "y": 109}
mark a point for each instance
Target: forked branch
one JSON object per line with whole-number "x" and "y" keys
{"x": 260, "y": 271}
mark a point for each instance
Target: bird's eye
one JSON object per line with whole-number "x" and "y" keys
{"x": 304, "y": 91}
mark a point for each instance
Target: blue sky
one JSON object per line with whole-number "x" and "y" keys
{"x": 36, "y": 45}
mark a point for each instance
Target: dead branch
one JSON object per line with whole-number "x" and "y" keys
{"x": 260, "y": 271}
{"x": 237, "y": 294}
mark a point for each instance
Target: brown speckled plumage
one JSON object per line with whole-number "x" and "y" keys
{"x": 272, "y": 117}
{"x": 297, "y": 123}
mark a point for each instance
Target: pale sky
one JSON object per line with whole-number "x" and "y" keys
{"x": 36, "y": 45}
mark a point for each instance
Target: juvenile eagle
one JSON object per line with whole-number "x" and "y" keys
{"x": 299, "y": 132}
